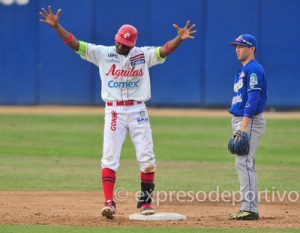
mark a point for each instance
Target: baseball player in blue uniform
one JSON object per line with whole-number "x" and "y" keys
{"x": 125, "y": 78}
{"x": 248, "y": 103}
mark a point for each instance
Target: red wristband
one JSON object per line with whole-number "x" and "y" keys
{"x": 69, "y": 39}
{"x": 167, "y": 47}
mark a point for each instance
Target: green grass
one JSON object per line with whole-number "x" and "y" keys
{"x": 175, "y": 138}
{"x": 55, "y": 152}
{"x": 28, "y": 173}
{"x": 59, "y": 136}
{"x": 63, "y": 229}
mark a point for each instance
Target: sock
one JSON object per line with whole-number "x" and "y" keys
{"x": 147, "y": 187}
{"x": 108, "y": 183}
{"x": 147, "y": 178}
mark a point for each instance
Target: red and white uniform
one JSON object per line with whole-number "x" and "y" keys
{"x": 125, "y": 87}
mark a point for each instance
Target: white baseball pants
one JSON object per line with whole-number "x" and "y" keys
{"x": 119, "y": 120}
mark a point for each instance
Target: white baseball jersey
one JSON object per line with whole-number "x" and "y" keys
{"x": 122, "y": 77}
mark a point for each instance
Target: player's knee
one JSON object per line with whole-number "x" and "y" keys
{"x": 150, "y": 169}
{"x": 147, "y": 168}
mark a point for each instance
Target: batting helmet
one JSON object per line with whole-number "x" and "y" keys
{"x": 127, "y": 35}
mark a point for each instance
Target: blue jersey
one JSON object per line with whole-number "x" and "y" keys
{"x": 251, "y": 77}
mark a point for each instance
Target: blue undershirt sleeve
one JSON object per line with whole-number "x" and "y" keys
{"x": 251, "y": 105}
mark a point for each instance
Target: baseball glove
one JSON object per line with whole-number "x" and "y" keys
{"x": 242, "y": 146}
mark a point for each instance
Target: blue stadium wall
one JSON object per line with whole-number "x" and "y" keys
{"x": 36, "y": 68}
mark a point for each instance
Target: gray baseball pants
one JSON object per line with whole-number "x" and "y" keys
{"x": 245, "y": 165}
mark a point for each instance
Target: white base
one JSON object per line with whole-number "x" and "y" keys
{"x": 158, "y": 217}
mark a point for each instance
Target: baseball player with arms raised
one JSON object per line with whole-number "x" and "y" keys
{"x": 124, "y": 73}
{"x": 248, "y": 103}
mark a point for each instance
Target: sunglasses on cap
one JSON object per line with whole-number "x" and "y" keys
{"x": 240, "y": 40}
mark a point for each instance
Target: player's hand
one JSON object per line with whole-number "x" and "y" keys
{"x": 238, "y": 135}
{"x": 49, "y": 17}
{"x": 185, "y": 33}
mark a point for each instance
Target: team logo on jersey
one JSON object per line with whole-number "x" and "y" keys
{"x": 253, "y": 80}
{"x": 112, "y": 55}
{"x": 237, "y": 86}
{"x": 130, "y": 84}
{"x": 242, "y": 75}
{"x": 237, "y": 99}
{"x": 138, "y": 59}
{"x": 113, "y": 58}
{"x": 131, "y": 72}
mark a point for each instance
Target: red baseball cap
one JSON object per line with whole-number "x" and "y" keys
{"x": 127, "y": 35}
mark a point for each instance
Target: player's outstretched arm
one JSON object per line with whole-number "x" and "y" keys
{"x": 52, "y": 20}
{"x": 183, "y": 34}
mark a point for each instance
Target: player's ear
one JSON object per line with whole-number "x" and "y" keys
{"x": 253, "y": 49}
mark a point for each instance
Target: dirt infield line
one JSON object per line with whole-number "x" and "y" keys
{"x": 99, "y": 110}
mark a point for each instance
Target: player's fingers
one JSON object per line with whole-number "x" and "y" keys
{"x": 43, "y": 15}
{"x": 236, "y": 139}
{"x": 49, "y": 9}
{"x": 192, "y": 32}
{"x": 58, "y": 12}
{"x": 176, "y": 26}
{"x": 44, "y": 11}
{"x": 194, "y": 25}
{"x": 187, "y": 24}
{"x": 191, "y": 37}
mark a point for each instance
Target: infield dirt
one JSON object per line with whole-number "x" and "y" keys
{"x": 83, "y": 209}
